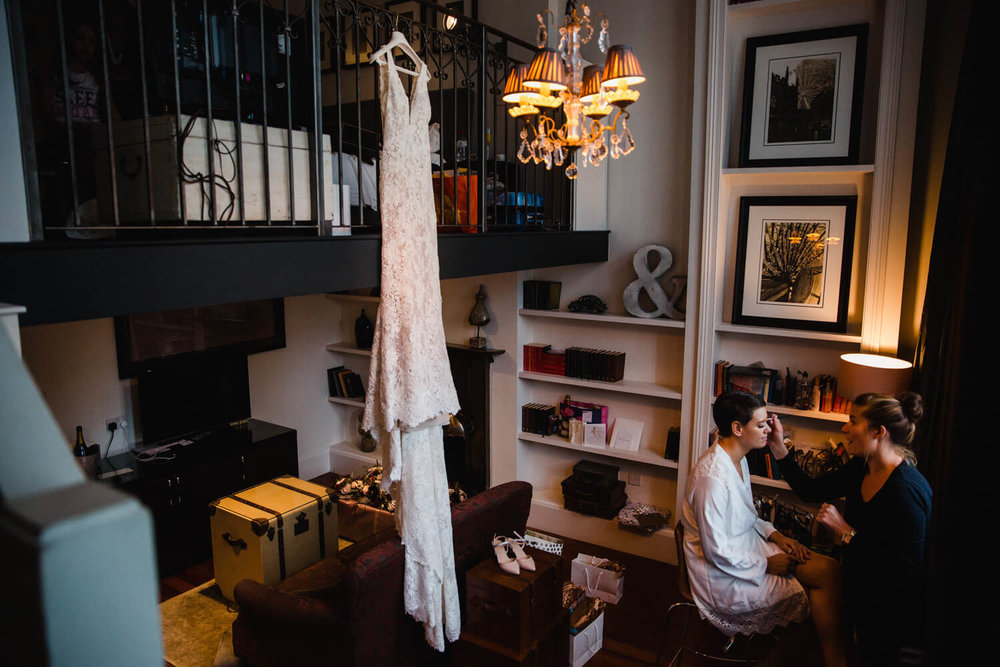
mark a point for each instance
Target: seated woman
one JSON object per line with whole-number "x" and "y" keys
{"x": 746, "y": 576}
{"x": 882, "y": 531}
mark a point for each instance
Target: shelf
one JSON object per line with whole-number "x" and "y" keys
{"x": 623, "y": 387}
{"x": 549, "y": 516}
{"x": 644, "y": 457}
{"x": 348, "y": 348}
{"x": 353, "y": 402}
{"x": 604, "y": 318}
{"x": 766, "y": 7}
{"x": 809, "y": 414}
{"x": 765, "y": 481}
{"x": 847, "y": 339}
{"x": 354, "y": 297}
{"x": 778, "y": 171}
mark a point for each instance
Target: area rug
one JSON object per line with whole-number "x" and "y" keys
{"x": 197, "y": 628}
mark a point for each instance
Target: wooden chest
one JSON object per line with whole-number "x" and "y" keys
{"x": 271, "y": 531}
{"x": 551, "y": 649}
{"x": 513, "y": 611}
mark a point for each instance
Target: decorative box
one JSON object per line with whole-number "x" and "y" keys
{"x": 513, "y": 610}
{"x": 271, "y": 531}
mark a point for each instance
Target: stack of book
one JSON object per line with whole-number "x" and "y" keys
{"x": 539, "y": 418}
{"x": 344, "y": 383}
{"x": 541, "y": 358}
{"x": 590, "y": 364}
{"x": 541, "y": 294}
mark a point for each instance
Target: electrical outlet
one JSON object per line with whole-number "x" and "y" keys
{"x": 114, "y": 423}
{"x": 634, "y": 478}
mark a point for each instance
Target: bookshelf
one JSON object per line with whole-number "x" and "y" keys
{"x": 883, "y": 166}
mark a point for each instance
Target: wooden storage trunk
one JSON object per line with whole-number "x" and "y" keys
{"x": 551, "y": 649}
{"x": 271, "y": 531}
{"x": 130, "y": 170}
{"x": 513, "y": 610}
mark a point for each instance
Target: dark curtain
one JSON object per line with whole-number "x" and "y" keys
{"x": 955, "y": 447}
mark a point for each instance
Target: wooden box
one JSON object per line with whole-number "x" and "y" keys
{"x": 271, "y": 531}
{"x": 551, "y": 649}
{"x": 511, "y": 610}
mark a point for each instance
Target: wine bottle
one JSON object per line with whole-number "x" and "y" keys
{"x": 80, "y": 448}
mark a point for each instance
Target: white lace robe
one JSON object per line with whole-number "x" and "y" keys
{"x": 726, "y": 547}
{"x": 410, "y": 389}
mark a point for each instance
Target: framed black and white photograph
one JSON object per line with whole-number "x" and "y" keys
{"x": 802, "y": 94}
{"x": 793, "y": 262}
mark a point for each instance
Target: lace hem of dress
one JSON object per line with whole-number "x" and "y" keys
{"x": 793, "y": 609}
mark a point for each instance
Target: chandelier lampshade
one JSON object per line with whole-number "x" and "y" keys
{"x": 546, "y": 70}
{"x": 515, "y": 87}
{"x": 591, "y": 83}
{"x": 621, "y": 66}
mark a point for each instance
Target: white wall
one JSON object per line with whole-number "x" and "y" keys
{"x": 14, "y": 221}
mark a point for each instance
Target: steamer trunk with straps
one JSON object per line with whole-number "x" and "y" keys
{"x": 271, "y": 531}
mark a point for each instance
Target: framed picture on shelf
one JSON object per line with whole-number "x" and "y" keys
{"x": 802, "y": 95}
{"x": 793, "y": 262}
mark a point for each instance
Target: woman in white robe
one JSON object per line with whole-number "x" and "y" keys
{"x": 746, "y": 577}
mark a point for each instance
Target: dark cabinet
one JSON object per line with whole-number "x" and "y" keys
{"x": 178, "y": 485}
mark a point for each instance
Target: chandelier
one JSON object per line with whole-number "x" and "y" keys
{"x": 587, "y": 95}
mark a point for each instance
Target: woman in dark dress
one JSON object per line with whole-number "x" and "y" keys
{"x": 882, "y": 530}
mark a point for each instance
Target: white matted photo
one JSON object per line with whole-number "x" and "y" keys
{"x": 793, "y": 262}
{"x": 802, "y": 97}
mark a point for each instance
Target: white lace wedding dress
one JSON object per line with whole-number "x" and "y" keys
{"x": 410, "y": 389}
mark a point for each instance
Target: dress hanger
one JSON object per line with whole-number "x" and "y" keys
{"x": 398, "y": 39}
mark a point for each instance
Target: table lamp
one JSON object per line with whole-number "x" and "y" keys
{"x": 862, "y": 373}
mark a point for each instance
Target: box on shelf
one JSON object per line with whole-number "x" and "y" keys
{"x": 513, "y": 610}
{"x": 585, "y": 644}
{"x": 541, "y": 294}
{"x": 130, "y": 172}
{"x": 271, "y": 530}
{"x": 596, "y": 581}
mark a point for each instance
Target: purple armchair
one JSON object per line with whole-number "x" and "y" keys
{"x": 348, "y": 609}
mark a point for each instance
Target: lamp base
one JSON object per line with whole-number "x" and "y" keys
{"x": 478, "y": 342}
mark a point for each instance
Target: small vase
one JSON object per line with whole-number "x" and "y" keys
{"x": 364, "y": 331}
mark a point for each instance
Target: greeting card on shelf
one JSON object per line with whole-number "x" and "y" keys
{"x": 595, "y": 435}
{"x": 627, "y": 434}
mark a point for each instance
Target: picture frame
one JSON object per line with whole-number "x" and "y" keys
{"x": 802, "y": 97}
{"x": 325, "y": 49}
{"x": 793, "y": 262}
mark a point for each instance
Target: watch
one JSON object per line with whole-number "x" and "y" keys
{"x": 847, "y": 537}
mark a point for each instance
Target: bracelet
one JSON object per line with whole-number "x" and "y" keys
{"x": 848, "y": 536}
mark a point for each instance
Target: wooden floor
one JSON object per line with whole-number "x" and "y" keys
{"x": 633, "y": 628}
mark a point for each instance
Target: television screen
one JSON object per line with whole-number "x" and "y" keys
{"x": 193, "y": 395}
{"x": 151, "y": 340}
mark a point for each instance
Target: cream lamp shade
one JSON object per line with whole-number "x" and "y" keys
{"x": 862, "y": 373}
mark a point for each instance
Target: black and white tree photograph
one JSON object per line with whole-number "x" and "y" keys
{"x": 801, "y": 96}
{"x": 793, "y": 260}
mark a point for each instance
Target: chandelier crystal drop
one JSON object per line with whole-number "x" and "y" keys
{"x": 557, "y": 78}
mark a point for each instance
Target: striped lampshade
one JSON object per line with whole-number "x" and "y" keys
{"x": 546, "y": 68}
{"x": 591, "y": 83}
{"x": 622, "y": 66}
{"x": 515, "y": 84}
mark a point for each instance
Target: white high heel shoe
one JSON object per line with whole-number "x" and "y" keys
{"x": 506, "y": 562}
{"x": 525, "y": 561}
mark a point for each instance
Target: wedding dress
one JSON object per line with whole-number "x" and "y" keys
{"x": 410, "y": 389}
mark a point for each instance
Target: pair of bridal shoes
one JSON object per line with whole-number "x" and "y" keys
{"x": 512, "y": 564}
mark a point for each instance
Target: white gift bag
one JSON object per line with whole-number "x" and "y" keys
{"x": 585, "y": 644}
{"x": 595, "y": 581}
